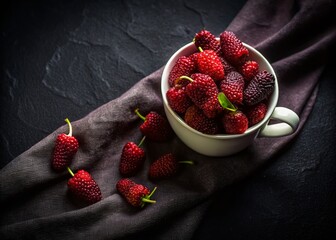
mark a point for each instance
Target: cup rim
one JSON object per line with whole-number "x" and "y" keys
{"x": 255, "y": 54}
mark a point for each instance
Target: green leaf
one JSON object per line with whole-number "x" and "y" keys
{"x": 225, "y": 102}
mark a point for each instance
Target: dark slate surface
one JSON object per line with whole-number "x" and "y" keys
{"x": 65, "y": 58}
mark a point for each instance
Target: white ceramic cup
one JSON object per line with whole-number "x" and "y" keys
{"x": 228, "y": 144}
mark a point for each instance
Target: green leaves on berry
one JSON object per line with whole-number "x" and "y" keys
{"x": 225, "y": 102}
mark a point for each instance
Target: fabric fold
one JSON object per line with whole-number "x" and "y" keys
{"x": 34, "y": 199}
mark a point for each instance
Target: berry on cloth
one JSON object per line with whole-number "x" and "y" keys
{"x": 155, "y": 126}
{"x": 135, "y": 194}
{"x": 132, "y": 158}
{"x": 165, "y": 166}
{"x": 65, "y": 148}
{"x": 84, "y": 187}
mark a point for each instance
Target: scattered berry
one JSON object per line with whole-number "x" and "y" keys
{"x": 155, "y": 127}
{"x": 209, "y": 63}
{"x": 259, "y": 88}
{"x": 135, "y": 194}
{"x": 207, "y": 41}
{"x": 84, "y": 187}
{"x": 235, "y": 122}
{"x": 203, "y": 93}
{"x": 196, "y": 119}
{"x": 184, "y": 66}
{"x": 132, "y": 158}
{"x": 232, "y": 48}
{"x": 124, "y": 184}
{"x": 165, "y": 167}
{"x": 178, "y": 99}
{"x": 256, "y": 113}
{"x": 233, "y": 87}
{"x": 65, "y": 148}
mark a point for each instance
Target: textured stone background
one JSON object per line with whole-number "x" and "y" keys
{"x": 65, "y": 58}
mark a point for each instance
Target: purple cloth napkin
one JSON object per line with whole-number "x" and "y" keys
{"x": 295, "y": 36}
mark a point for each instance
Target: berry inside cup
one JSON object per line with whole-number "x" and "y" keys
{"x": 219, "y": 89}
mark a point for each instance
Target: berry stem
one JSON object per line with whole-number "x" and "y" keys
{"x": 70, "y": 127}
{"x": 147, "y": 199}
{"x": 142, "y": 140}
{"x": 186, "y": 77}
{"x": 151, "y": 194}
{"x": 71, "y": 173}
{"x": 187, "y": 162}
{"x": 182, "y": 77}
{"x": 200, "y": 49}
{"x": 139, "y": 114}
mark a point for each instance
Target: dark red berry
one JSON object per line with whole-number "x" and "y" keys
{"x": 233, "y": 87}
{"x": 203, "y": 93}
{"x": 259, "y": 88}
{"x": 233, "y": 49}
{"x": 235, "y": 122}
{"x": 256, "y": 113}
{"x": 132, "y": 159}
{"x": 227, "y": 66}
{"x": 178, "y": 99}
{"x": 155, "y": 126}
{"x": 196, "y": 119}
{"x": 84, "y": 187}
{"x": 184, "y": 66}
{"x": 210, "y": 64}
{"x": 135, "y": 194}
{"x": 207, "y": 41}
{"x": 163, "y": 167}
{"x": 65, "y": 148}
{"x": 249, "y": 69}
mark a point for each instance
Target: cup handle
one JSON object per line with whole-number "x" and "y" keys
{"x": 288, "y": 126}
